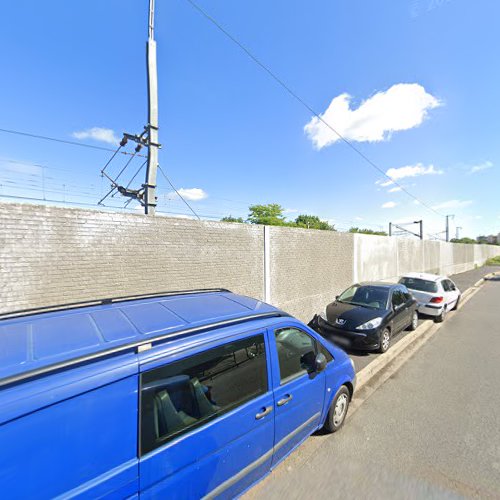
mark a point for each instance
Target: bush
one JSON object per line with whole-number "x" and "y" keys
{"x": 494, "y": 261}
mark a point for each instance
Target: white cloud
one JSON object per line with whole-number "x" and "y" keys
{"x": 453, "y": 204}
{"x": 191, "y": 194}
{"x": 395, "y": 189}
{"x": 481, "y": 167}
{"x": 384, "y": 183}
{"x": 401, "y": 107}
{"x": 290, "y": 211}
{"x": 389, "y": 204}
{"x": 98, "y": 134}
{"x": 412, "y": 171}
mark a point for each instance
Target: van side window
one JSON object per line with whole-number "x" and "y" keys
{"x": 185, "y": 394}
{"x": 296, "y": 352}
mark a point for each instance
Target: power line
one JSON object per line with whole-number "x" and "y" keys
{"x": 303, "y": 102}
{"x": 63, "y": 141}
{"x": 178, "y": 194}
{"x": 29, "y": 164}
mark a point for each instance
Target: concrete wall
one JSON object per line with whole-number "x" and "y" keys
{"x": 52, "y": 255}
{"x": 308, "y": 268}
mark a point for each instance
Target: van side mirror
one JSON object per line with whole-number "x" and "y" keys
{"x": 319, "y": 362}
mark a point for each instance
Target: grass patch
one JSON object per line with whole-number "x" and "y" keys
{"x": 494, "y": 261}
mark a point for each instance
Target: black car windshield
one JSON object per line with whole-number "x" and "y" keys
{"x": 419, "y": 284}
{"x": 371, "y": 296}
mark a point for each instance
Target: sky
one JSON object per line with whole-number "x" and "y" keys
{"x": 411, "y": 85}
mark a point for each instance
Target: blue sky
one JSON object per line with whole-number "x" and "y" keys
{"x": 413, "y": 84}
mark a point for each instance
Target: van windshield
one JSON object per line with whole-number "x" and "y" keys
{"x": 419, "y": 284}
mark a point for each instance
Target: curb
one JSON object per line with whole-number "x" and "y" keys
{"x": 367, "y": 374}
{"x": 480, "y": 282}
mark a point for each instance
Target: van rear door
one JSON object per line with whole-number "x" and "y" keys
{"x": 206, "y": 419}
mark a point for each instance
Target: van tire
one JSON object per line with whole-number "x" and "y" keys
{"x": 338, "y": 410}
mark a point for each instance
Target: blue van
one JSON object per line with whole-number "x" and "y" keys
{"x": 181, "y": 395}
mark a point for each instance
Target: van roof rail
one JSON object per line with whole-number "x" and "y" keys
{"x": 183, "y": 332}
{"x": 107, "y": 300}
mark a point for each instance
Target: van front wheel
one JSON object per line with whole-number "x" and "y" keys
{"x": 338, "y": 410}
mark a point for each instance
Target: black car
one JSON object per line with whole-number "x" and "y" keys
{"x": 367, "y": 315}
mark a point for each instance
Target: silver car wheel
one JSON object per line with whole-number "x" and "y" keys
{"x": 340, "y": 410}
{"x": 414, "y": 322}
{"x": 385, "y": 340}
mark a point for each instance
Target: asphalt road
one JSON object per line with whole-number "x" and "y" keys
{"x": 469, "y": 278}
{"x": 432, "y": 430}
{"x": 463, "y": 281}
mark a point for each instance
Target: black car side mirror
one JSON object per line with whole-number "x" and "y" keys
{"x": 319, "y": 362}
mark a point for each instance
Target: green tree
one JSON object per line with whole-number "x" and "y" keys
{"x": 469, "y": 241}
{"x": 230, "y": 218}
{"x": 313, "y": 222}
{"x": 271, "y": 214}
{"x": 366, "y": 231}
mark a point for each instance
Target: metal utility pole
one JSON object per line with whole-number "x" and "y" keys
{"x": 146, "y": 195}
{"x": 448, "y": 226}
{"x": 153, "y": 145}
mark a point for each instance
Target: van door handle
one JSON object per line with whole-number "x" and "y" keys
{"x": 265, "y": 411}
{"x": 285, "y": 400}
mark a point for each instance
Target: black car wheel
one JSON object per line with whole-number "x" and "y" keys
{"x": 414, "y": 322}
{"x": 338, "y": 410}
{"x": 455, "y": 307}
{"x": 385, "y": 341}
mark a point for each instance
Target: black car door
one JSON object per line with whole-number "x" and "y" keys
{"x": 400, "y": 311}
{"x": 410, "y": 305}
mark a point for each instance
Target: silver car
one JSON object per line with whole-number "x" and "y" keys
{"x": 436, "y": 295}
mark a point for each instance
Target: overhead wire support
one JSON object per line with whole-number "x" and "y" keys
{"x": 404, "y": 231}
{"x": 114, "y": 184}
{"x": 111, "y": 159}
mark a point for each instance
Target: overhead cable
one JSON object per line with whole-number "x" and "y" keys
{"x": 304, "y": 103}
{"x": 63, "y": 141}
